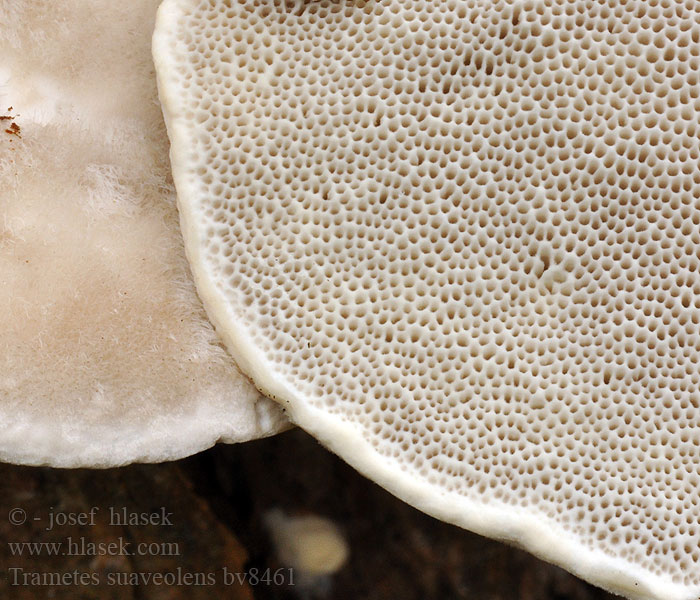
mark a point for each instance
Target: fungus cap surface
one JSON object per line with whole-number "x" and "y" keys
{"x": 459, "y": 241}
{"x": 106, "y": 354}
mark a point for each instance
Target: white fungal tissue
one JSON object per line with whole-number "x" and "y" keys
{"x": 106, "y": 354}
{"x": 460, "y": 241}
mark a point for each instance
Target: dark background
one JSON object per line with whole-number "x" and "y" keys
{"x": 218, "y": 500}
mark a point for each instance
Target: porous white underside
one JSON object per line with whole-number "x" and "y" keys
{"x": 236, "y": 92}
{"x": 106, "y": 354}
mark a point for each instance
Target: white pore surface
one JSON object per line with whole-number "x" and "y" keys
{"x": 461, "y": 241}
{"x": 106, "y": 354}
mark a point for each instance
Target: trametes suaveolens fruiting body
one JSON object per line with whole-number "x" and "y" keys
{"x": 459, "y": 241}
{"x": 106, "y": 354}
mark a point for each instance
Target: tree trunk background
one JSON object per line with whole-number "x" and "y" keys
{"x": 216, "y": 502}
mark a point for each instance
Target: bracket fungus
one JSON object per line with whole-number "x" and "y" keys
{"x": 106, "y": 354}
{"x": 460, "y": 241}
